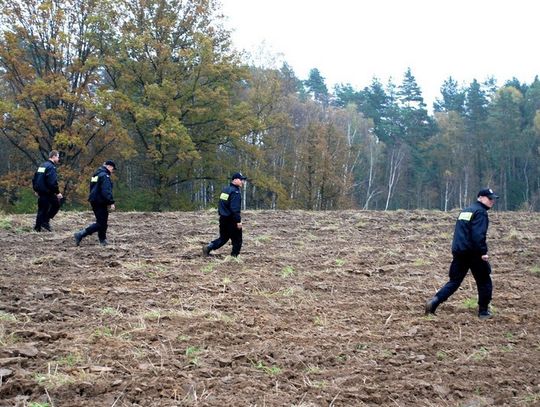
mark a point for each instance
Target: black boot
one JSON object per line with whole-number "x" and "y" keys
{"x": 79, "y": 236}
{"x": 485, "y": 314}
{"x": 431, "y": 305}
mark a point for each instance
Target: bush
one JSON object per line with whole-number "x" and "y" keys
{"x": 26, "y": 202}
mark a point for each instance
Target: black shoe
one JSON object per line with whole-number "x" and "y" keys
{"x": 485, "y": 315}
{"x": 78, "y": 237}
{"x": 205, "y": 251}
{"x": 104, "y": 242}
{"x": 37, "y": 228}
{"x": 431, "y": 306}
{"x": 47, "y": 227}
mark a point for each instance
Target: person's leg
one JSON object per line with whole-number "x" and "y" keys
{"x": 481, "y": 271}
{"x": 458, "y": 270}
{"x": 102, "y": 219}
{"x": 224, "y": 235}
{"x": 94, "y": 227}
{"x": 54, "y": 207}
{"x": 42, "y": 210}
{"x": 236, "y": 238}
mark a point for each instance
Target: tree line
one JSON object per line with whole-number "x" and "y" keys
{"x": 157, "y": 86}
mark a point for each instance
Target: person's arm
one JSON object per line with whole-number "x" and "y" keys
{"x": 106, "y": 190}
{"x": 51, "y": 179}
{"x": 479, "y": 227}
{"x": 236, "y": 206}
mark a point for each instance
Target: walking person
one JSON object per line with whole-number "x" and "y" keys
{"x": 230, "y": 219}
{"x": 470, "y": 251}
{"x": 102, "y": 201}
{"x": 45, "y": 184}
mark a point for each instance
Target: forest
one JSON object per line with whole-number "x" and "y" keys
{"x": 157, "y": 86}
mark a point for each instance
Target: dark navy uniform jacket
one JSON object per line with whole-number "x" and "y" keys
{"x": 45, "y": 180}
{"x": 101, "y": 187}
{"x": 230, "y": 203}
{"x": 471, "y": 229}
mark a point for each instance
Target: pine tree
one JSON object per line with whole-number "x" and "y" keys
{"x": 453, "y": 98}
{"x": 316, "y": 86}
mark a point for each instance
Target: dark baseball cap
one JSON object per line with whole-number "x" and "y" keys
{"x": 111, "y": 163}
{"x": 488, "y": 192}
{"x": 238, "y": 175}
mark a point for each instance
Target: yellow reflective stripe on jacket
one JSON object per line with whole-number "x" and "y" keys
{"x": 41, "y": 169}
{"x": 465, "y": 216}
{"x": 224, "y": 196}
{"x": 94, "y": 179}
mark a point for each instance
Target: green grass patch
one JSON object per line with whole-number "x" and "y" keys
{"x": 269, "y": 370}
{"x": 5, "y": 223}
{"x": 262, "y": 239}
{"x": 7, "y": 317}
{"x": 320, "y": 320}
{"x": 103, "y": 332}
{"x": 480, "y": 354}
{"x": 287, "y": 271}
{"x": 7, "y": 339}
{"x": 192, "y": 353}
{"x": 509, "y": 335}
{"x": 70, "y": 360}
{"x": 470, "y": 303}
{"x": 285, "y": 292}
{"x": 110, "y": 311}
{"x": 530, "y": 399}
{"x": 207, "y": 268}
{"x": 313, "y": 369}
{"x": 153, "y": 315}
{"x": 535, "y": 270}
{"x": 53, "y": 379}
{"x": 441, "y": 355}
{"x": 421, "y": 262}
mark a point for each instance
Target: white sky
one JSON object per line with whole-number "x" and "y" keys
{"x": 351, "y": 41}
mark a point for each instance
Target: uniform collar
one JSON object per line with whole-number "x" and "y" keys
{"x": 487, "y": 208}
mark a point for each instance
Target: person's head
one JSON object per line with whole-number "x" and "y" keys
{"x": 238, "y": 179}
{"x": 110, "y": 165}
{"x": 487, "y": 197}
{"x": 54, "y": 156}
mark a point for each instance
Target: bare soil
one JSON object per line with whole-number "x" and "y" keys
{"x": 320, "y": 309}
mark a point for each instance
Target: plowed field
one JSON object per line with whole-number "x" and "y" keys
{"x": 320, "y": 309}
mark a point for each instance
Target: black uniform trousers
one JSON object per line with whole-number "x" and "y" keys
{"x": 481, "y": 271}
{"x": 48, "y": 207}
{"x": 102, "y": 217}
{"x": 228, "y": 229}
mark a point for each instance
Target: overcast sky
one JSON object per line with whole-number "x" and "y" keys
{"x": 351, "y": 41}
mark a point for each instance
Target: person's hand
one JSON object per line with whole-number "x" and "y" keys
{"x": 59, "y": 196}
{"x": 239, "y": 225}
{"x": 112, "y": 207}
{"x": 485, "y": 257}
